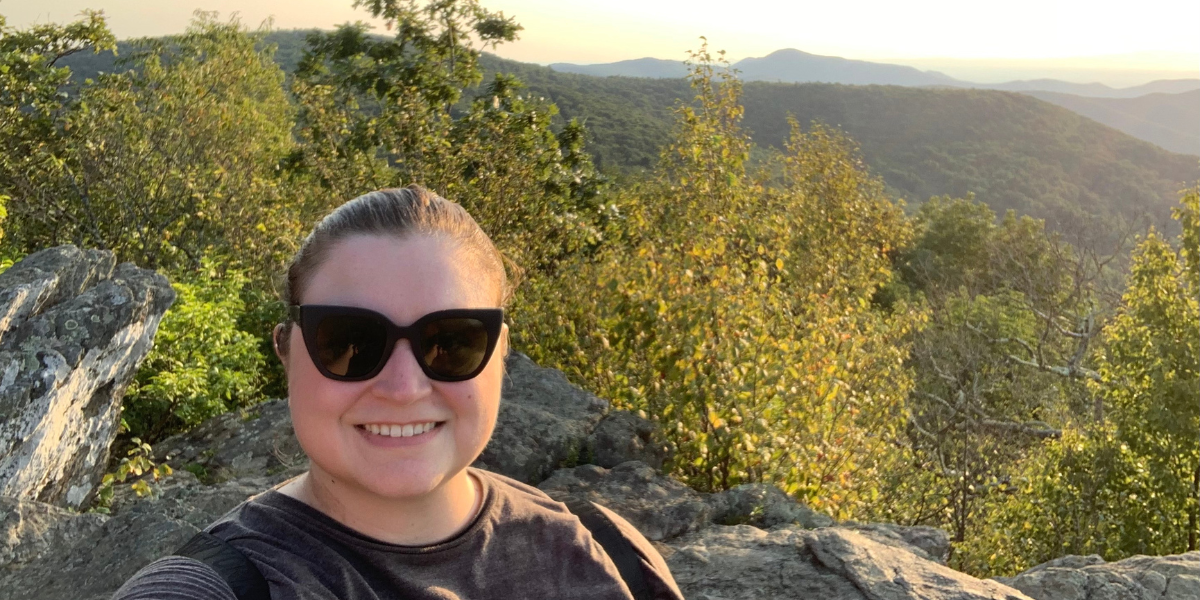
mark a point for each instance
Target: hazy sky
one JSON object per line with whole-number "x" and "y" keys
{"x": 1160, "y": 34}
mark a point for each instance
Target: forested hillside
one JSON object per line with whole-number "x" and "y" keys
{"x": 749, "y": 283}
{"x": 1171, "y": 121}
{"x": 1010, "y": 150}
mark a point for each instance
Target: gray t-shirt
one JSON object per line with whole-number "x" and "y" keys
{"x": 522, "y": 544}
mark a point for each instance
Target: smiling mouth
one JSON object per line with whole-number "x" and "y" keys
{"x": 410, "y": 430}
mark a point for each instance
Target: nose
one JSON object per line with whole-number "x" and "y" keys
{"x": 402, "y": 378}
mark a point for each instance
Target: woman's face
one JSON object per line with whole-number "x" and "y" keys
{"x": 404, "y": 279}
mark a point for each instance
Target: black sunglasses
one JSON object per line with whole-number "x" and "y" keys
{"x": 353, "y": 344}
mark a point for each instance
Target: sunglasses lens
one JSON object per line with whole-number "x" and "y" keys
{"x": 350, "y": 345}
{"x": 454, "y": 347}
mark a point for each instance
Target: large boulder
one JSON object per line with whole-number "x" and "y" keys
{"x": 736, "y": 562}
{"x": 544, "y": 423}
{"x": 254, "y": 442}
{"x": 72, "y": 331}
{"x": 1174, "y": 577}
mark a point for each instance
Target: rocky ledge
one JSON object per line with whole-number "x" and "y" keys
{"x": 73, "y": 328}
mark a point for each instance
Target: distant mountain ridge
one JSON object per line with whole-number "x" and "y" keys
{"x": 795, "y": 66}
{"x": 1094, "y": 90}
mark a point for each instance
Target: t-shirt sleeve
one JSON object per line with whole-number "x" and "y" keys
{"x": 175, "y": 578}
{"x": 658, "y": 576}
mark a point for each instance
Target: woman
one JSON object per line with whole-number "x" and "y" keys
{"x": 394, "y": 356}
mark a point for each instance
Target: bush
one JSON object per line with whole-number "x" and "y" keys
{"x": 202, "y": 363}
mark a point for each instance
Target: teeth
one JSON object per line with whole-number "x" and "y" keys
{"x": 399, "y": 430}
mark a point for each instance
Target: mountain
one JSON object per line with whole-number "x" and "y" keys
{"x": 789, "y": 66}
{"x": 640, "y": 67}
{"x": 794, "y": 66}
{"x": 1094, "y": 90}
{"x": 1169, "y": 120}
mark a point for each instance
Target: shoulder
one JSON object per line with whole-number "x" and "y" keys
{"x": 175, "y": 578}
{"x": 522, "y": 503}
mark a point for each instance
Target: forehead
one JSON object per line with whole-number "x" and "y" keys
{"x": 403, "y": 278}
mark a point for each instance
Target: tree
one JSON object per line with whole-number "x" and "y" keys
{"x": 168, "y": 161}
{"x": 31, "y": 102}
{"x": 1001, "y": 366}
{"x": 380, "y": 111}
{"x": 1126, "y": 483}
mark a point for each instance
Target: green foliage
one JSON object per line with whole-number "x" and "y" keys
{"x": 202, "y": 364}
{"x": 1128, "y": 484}
{"x": 115, "y": 169}
{"x": 137, "y": 461}
{"x": 30, "y": 102}
{"x": 1085, "y": 493}
{"x": 377, "y": 112}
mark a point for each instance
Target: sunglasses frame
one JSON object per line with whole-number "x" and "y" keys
{"x": 309, "y": 316}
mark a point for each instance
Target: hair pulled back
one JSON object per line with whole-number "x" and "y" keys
{"x": 398, "y": 212}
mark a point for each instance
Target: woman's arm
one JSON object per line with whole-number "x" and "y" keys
{"x": 175, "y": 578}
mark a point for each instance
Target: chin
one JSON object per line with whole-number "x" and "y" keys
{"x": 408, "y": 481}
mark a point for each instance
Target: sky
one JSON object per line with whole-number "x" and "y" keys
{"x": 980, "y": 40}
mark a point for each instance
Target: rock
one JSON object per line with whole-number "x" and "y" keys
{"x": 258, "y": 441}
{"x": 544, "y": 423}
{"x": 928, "y": 542}
{"x": 660, "y": 507}
{"x": 65, "y": 361}
{"x": 31, "y": 530}
{"x": 1174, "y": 577}
{"x": 888, "y": 572}
{"x": 741, "y": 561}
{"x": 622, "y": 436}
{"x": 763, "y": 505}
{"x": 46, "y": 278}
{"x": 89, "y": 556}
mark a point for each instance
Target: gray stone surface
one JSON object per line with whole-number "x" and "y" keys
{"x": 885, "y": 572}
{"x": 1175, "y": 577}
{"x": 256, "y": 441}
{"x": 48, "y": 277}
{"x": 743, "y": 562}
{"x": 544, "y": 423}
{"x": 927, "y": 542}
{"x": 763, "y": 505}
{"x": 89, "y": 556}
{"x": 660, "y": 507}
{"x": 74, "y": 331}
{"x": 623, "y": 436}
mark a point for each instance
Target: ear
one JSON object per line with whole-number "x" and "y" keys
{"x": 277, "y": 343}
{"x": 504, "y": 340}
